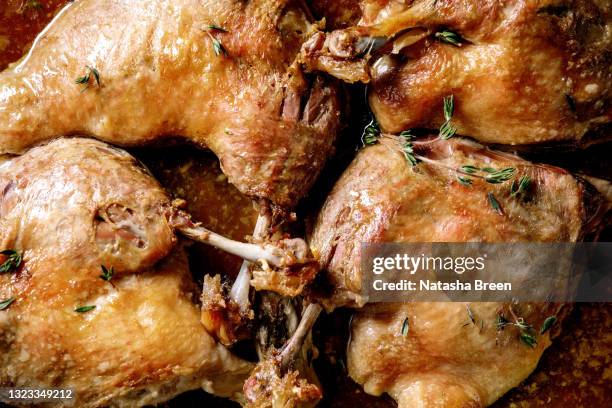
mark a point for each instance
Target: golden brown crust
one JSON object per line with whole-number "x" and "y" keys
{"x": 271, "y": 127}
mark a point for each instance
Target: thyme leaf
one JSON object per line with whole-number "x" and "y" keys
{"x": 501, "y": 322}
{"x": 449, "y": 37}
{"x": 494, "y": 203}
{"x": 107, "y": 273}
{"x": 12, "y": 262}
{"x": 6, "y": 303}
{"x": 86, "y": 79}
{"x": 408, "y": 147}
{"x": 405, "y": 328}
{"x": 469, "y": 169}
{"x": 499, "y": 176}
{"x": 548, "y": 323}
{"x": 528, "y": 339}
{"x": 84, "y": 309}
{"x": 370, "y": 133}
{"x": 448, "y": 130}
{"x": 216, "y": 28}
{"x": 218, "y": 47}
{"x": 470, "y": 314}
{"x": 516, "y": 189}
{"x": 466, "y": 181}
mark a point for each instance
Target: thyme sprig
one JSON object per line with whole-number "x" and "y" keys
{"x": 371, "y": 133}
{"x": 12, "y": 262}
{"x": 472, "y": 319}
{"x": 449, "y": 37}
{"x": 84, "y": 309}
{"x": 218, "y": 47}
{"x": 526, "y": 332}
{"x": 548, "y": 323}
{"x": 488, "y": 174}
{"x": 520, "y": 188}
{"x": 405, "y": 327}
{"x": 86, "y": 79}
{"x": 494, "y": 203}
{"x": 107, "y": 273}
{"x": 6, "y": 303}
{"x": 448, "y": 130}
{"x": 408, "y": 147}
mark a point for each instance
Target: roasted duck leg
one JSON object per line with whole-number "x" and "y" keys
{"x": 388, "y": 196}
{"x": 220, "y": 74}
{"x": 522, "y": 71}
{"x": 101, "y": 299}
{"x": 445, "y": 354}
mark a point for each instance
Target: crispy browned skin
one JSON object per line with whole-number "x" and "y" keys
{"x": 381, "y": 198}
{"x": 443, "y": 362}
{"x": 527, "y": 71}
{"x": 70, "y": 207}
{"x": 271, "y": 127}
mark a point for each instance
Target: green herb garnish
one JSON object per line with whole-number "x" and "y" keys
{"x": 528, "y": 339}
{"x": 12, "y": 262}
{"x": 499, "y": 176}
{"x": 469, "y": 169}
{"x": 519, "y": 188}
{"x": 470, "y": 314}
{"x": 86, "y": 79}
{"x": 216, "y": 28}
{"x": 107, "y": 273}
{"x": 449, "y": 37}
{"x": 466, "y": 181}
{"x": 494, "y": 203}
{"x": 84, "y": 309}
{"x": 371, "y": 133}
{"x": 218, "y": 47}
{"x": 408, "y": 147}
{"x": 501, "y": 322}
{"x": 405, "y": 327}
{"x": 6, "y": 303}
{"x": 448, "y": 130}
{"x": 548, "y": 323}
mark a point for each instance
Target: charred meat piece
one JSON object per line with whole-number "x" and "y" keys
{"x": 102, "y": 299}
{"x": 445, "y": 354}
{"x": 220, "y": 74}
{"x": 522, "y": 71}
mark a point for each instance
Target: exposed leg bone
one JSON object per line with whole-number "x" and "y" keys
{"x": 242, "y": 284}
{"x": 277, "y": 381}
{"x": 229, "y": 317}
{"x": 293, "y": 346}
{"x": 281, "y": 254}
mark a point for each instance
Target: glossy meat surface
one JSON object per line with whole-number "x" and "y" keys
{"x": 445, "y": 360}
{"x": 523, "y": 71}
{"x": 70, "y": 207}
{"x": 451, "y": 354}
{"x": 218, "y": 73}
{"x": 381, "y": 198}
